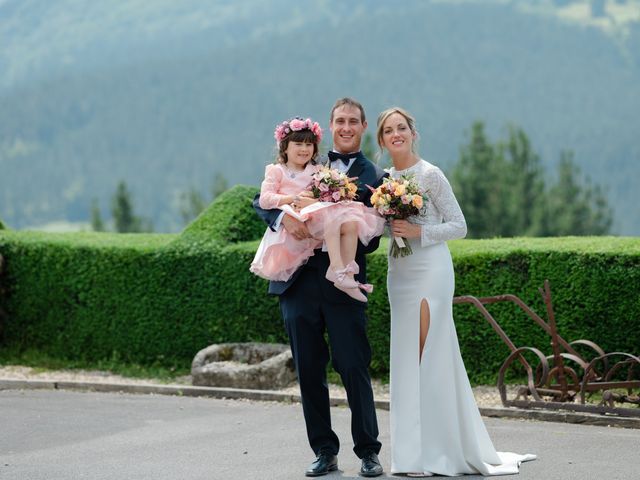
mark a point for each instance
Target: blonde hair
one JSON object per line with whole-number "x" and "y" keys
{"x": 411, "y": 122}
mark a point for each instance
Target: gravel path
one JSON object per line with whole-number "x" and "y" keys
{"x": 486, "y": 395}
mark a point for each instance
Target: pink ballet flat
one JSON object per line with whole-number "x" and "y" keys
{"x": 353, "y": 267}
{"x": 354, "y": 293}
{"x": 347, "y": 284}
{"x": 340, "y": 278}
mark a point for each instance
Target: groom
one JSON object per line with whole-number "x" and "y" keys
{"x": 311, "y": 306}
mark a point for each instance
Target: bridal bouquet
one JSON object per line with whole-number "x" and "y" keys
{"x": 399, "y": 198}
{"x": 330, "y": 185}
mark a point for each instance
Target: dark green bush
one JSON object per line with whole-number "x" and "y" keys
{"x": 2, "y": 227}
{"x": 230, "y": 218}
{"x": 136, "y": 298}
{"x": 594, "y": 285}
{"x": 155, "y": 299}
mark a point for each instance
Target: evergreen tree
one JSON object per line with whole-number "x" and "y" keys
{"x": 502, "y": 192}
{"x": 479, "y": 180}
{"x": 575, "y": 209}
{"x": 124, "y": 219}
{"x": 369, "y": 147}
{"x": 525, "y": 184}
{"x": 97, "y": 225}
{"x": 602, "y": 214}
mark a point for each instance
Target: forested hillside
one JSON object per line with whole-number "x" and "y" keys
{"x": 167, "y": 94}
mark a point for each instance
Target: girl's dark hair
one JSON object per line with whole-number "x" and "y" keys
{"x": 303, "y": 136}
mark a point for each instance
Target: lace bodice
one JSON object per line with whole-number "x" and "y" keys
{"x": 442, "y": 219}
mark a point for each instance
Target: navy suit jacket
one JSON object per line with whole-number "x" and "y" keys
{"x": 368, "y": 173}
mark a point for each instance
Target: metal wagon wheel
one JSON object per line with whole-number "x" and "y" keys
{"x": 606, "y": 382}
{"x": 532, "y": 385}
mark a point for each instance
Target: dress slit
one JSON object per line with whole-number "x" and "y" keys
{"x": 422, "y": 342}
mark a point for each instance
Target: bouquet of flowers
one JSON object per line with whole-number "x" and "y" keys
{"x": 399, "y": 199}
{"x": 330, "y": 185}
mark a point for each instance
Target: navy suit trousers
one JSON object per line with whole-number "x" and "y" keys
{"x": 308, "y": 313}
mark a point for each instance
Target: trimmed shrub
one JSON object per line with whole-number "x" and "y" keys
{"x": 152, "y": 299}
{"x": 2, "y": 227}
{"x": 157, "y": 299}
{"x": 594, "y": 286}
{"x": 229, "y": 219}
{"x": 135, "y": 298}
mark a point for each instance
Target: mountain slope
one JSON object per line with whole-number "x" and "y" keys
{"x": 164, "y": 119}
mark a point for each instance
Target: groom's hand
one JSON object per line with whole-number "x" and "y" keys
{"x": 295, "y": 227}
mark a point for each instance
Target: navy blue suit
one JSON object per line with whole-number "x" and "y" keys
{"x": 311, "y": 305}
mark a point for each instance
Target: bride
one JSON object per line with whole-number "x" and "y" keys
{"x": 436, "y": 427}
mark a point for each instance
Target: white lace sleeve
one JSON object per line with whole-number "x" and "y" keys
{"x": 443, "y": 201}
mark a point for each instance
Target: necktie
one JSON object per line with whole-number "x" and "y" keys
{"x": 345, "y": 158}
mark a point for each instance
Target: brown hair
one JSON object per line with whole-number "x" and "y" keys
{"x": 303, "y": 136}
{"x": 352, "y": 103}
{"x": 411, "y": 122}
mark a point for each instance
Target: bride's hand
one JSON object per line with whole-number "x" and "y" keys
{"x": 402, "y": 228}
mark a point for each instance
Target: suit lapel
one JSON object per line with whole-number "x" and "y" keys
{"x": 357, "y": 167}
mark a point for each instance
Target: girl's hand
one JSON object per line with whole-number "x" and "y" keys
{"x": 402, "y": 228}
{"x": 304, "y": 201}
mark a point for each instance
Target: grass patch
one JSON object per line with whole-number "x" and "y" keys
{"x": 42, "y": 363}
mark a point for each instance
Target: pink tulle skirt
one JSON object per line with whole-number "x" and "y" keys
{"x": 280, "y": 254}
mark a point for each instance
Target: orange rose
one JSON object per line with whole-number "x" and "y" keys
{"x": 400, "y": 190}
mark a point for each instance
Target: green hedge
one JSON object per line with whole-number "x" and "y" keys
{"x": 2, "y": 227}
{"x": 230, "y": 219}
{"x": 157, "y": 299}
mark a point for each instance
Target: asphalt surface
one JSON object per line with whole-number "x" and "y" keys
{"x": 51, "y": 435}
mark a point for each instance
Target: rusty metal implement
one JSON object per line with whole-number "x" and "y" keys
{"x": 565, "y": 379}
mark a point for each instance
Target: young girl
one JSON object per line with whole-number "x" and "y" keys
{"x": 339, "y": 225}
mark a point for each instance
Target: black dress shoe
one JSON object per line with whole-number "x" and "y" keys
{"x": 325, "y": 463}
{"x": 370, "y": 466}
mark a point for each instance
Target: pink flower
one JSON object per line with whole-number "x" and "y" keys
{"x": 336, "y": 195}
{"x": 323, "y": 187}
{"x": 279, "y": 133}
{"x": 317, "y": 131}
{"x": 405, "y": 199}
{"x": 297, "y": 124}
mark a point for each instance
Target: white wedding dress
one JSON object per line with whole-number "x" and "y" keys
{"x": 436, "y": 427}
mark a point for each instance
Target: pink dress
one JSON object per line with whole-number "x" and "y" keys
{"x": 280, "y": 254}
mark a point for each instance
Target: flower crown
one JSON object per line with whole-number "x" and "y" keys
{"x": 295, "y": 125}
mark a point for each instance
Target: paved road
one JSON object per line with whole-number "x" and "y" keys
{"x": 63, "y": 435}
